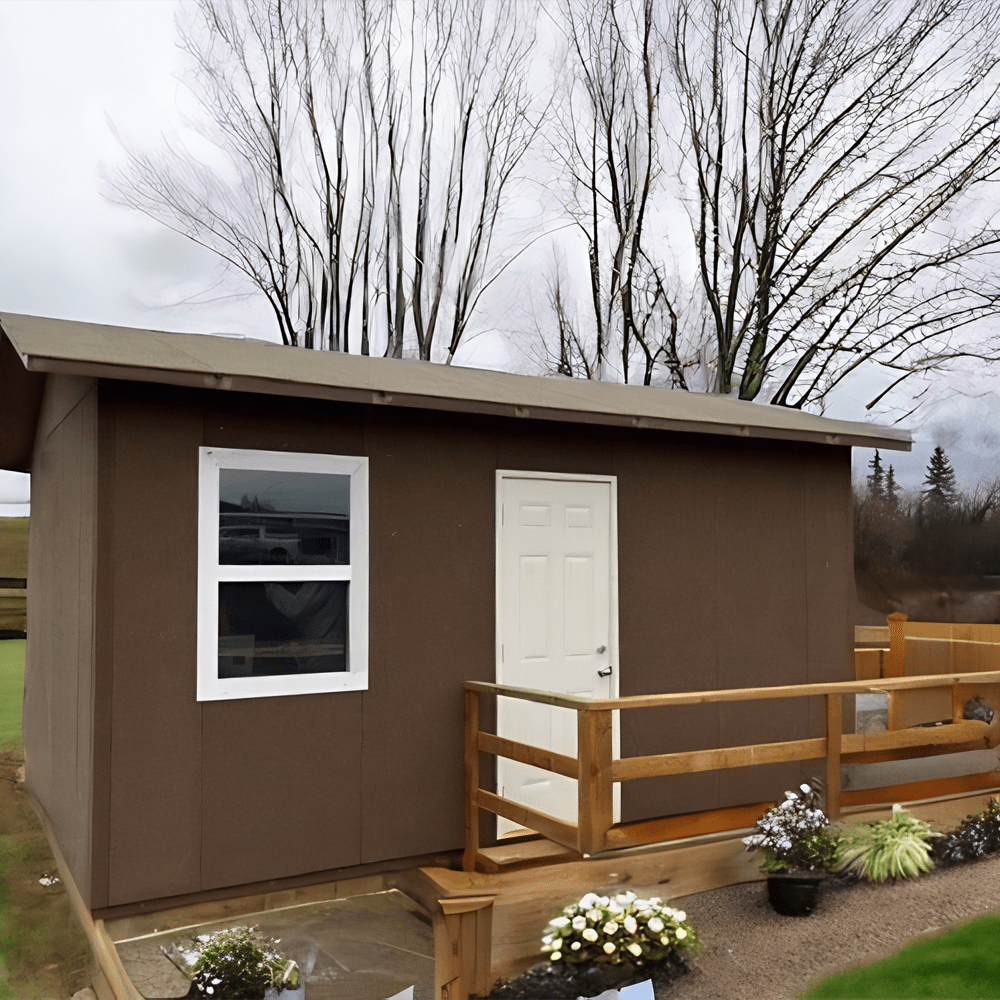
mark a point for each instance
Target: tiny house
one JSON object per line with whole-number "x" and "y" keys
{"x": 260, "y": 576}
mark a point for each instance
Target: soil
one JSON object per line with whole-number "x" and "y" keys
{"x": 751, "y": 951}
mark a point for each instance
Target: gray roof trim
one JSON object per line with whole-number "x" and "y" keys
{"x": 50, "y": 345}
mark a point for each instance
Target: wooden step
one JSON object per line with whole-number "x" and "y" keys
{"x": 525, "y": 854}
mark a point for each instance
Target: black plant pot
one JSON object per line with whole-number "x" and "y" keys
{"x": 793, "y": 894}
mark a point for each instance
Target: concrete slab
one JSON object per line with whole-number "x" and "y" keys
{"x": 362, "y": 948}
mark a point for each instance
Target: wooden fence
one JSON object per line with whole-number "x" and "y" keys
{"x": 596, "y": 770}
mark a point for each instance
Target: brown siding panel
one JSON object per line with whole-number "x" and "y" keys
{"x": 155, "y": 794}
{"x": 432, "y": 623}
{"x": 59, "y": 677}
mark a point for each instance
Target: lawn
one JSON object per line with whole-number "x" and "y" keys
{"x": 42, "y": 949}
{"x": 11, "y": 691}
{"x": 958, "y": 964}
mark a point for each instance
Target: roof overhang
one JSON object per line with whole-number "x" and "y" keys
{"x": 232, "y": 364}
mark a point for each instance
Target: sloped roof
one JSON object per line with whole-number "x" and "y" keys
{"x": 216, "y": 362}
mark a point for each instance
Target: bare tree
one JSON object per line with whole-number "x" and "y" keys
{"x": 836, "y": 158}
{"x": 607, "y": 139}
{"x": 358, "y": 151}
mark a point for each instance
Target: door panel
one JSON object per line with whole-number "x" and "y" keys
{"x": 554, "y": 621}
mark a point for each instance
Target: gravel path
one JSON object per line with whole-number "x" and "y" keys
{"x": 751, "y": 951}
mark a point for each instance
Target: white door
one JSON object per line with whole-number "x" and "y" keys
{"x": 556, "y": 621}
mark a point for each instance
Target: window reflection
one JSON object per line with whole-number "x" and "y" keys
{"x": 283, "y": 518}
{"x": 282, "y": 628}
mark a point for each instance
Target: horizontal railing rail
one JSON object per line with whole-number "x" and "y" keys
{"x": 596, "y": 771}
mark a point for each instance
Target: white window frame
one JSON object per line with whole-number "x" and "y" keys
{"x": 211, "y": 573}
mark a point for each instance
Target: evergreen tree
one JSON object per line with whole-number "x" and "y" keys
{"x": 892, "y": 489}
{"x": 940, "y": 493}
{"x": 876, "y": 481}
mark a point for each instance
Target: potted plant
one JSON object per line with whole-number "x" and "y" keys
{"x": 238, "y": 963}
{"x": 799, "y": 850}
{"x": 898, "y": 847}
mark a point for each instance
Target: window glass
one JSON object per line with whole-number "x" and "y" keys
{"x": 283, "y": 518}
{"x": 282, "y": 628}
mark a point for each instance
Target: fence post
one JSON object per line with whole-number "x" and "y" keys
{"x": 595, "y": 809}
{"x": 834, "y": 727}
{"x": 471, "y": 781}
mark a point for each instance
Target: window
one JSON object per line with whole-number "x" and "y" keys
{"x": 282, "y": 574}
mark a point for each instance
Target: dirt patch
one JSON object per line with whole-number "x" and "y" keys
{"x": 40, "y": 941}
{"x": 751, "y": 951}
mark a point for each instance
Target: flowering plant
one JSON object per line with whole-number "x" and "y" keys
{"x": 617, "y": 929}
{"x": 795, "y": 835}
{"x": 238, "y": 963}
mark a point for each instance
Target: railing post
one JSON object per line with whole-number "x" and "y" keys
{"x": 471, "y": 781}
{"x": 834, "y": 728}
{"x": 595, "y": 811}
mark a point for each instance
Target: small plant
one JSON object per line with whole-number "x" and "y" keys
{"x": 795, "y": 835}
{"x": 898, "y": 847}
{"x": 623, "y": 928}
{"x": 975, "y": 837}
{"x": 240, "y": 964}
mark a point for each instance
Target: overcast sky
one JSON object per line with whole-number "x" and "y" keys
{"x": 70, "y": 70}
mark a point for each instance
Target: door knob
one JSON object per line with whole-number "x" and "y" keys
{"x": 606, "y": 672}
{"x": 602, "y": 649}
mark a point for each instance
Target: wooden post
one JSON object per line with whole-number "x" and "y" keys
{"x": 834, "y": 728}
{"x": 471, "y": 781}
{"x": 594, "y": 792}
{"x": 463, "y": 941}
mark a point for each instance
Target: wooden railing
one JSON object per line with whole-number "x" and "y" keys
{"x": 596, "y": 770}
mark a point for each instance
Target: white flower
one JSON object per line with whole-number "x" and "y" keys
{"x": 575, "y": 946}
{"x": 613, "y": 907}
{"x": 589, "y": 934}
{"x": 680, "y": 916}
{"x": 790, "y": 797}
{"x": 555, "y": 956}
{"x": 610, "y": 927}
{"x": 805, "y": 788}
{"x": 595, "y": 915}
{"x": 681, "y": 933}
{"x": 635, "y": 949}
{"x": 664, "y": 939}
{"x": 548, "y": 939}
{"x": 559, "y": 922}
{"x": 655, "y": 900}
{"x": 625, "y": 898}
{"x": 587, "y": 902}
{"x": 629, "y": 924}
{"x": 655, "y": 925}
{"x": 579, "y": 923}
{"x": 608, "y": 947}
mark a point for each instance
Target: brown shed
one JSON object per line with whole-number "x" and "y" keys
{"x": 260, "y": 576}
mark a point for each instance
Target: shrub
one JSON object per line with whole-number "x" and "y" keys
{"x": 622, "y": 928}
{"x": 795, "y": 835}
{"x": 898, "y": 847}
{"x": 975, "y": 837}
{"x": 239, "y": 964}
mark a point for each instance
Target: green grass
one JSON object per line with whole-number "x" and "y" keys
{"x": 11, "y": 691}
{"x": 961, "y": 964}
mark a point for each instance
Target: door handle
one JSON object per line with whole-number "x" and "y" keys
{"x": 606, "y": 672}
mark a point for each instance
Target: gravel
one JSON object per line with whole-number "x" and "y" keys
{"x": 751, "y": 951}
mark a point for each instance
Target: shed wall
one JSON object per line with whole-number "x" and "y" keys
{"x": 59, "y": 672}
{"x": 735, "y": 568}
